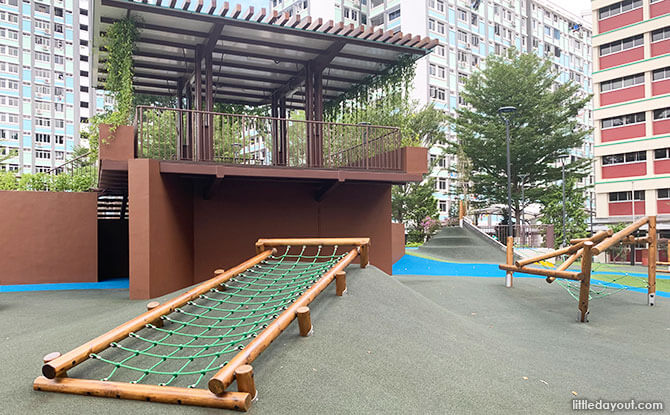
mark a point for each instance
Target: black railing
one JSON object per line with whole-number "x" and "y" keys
{"x": 236, "y": 139}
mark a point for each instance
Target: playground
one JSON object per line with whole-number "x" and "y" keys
{"x": 402, "y": 344}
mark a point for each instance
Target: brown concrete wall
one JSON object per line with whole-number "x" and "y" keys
{"x": 161, "y": 230}
{"x": 48, "y": 237}
{"x": 397, "y": 241}
{"x": 241, "y": 211}
{"x": 177, "y": 237}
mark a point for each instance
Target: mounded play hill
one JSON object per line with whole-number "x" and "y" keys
{"x": 456, "y": 244}
{"x": 392, "y": 345}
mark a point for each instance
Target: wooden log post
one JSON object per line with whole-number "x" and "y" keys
{"x": 509, "y": 276}
{"x": 365, "y": 255}
{"x": 158, "y": 322}
{"x": 80, "y": 354}
{"x": 340, "y": 283}
{"x": 51, "y": 356}
{"x": 572, "y": 258}
{"x": 244, "y": 375}
{"x": 651, "y": 261}
{"x": 585, "y": 286}
{"x": 225, "y": 376}
{"x": 150, "y": 393}
{"x": 304, "y": 321}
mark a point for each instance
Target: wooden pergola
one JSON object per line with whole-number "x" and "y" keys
{"x": 206, "y": 51}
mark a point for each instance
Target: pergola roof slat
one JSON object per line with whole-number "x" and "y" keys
{"x": 253, "y": 53}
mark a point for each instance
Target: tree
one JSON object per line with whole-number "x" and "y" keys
{"x": 575, "y": 214}
{"x": 543, "y": 128}
{"x": 411, "y": 204}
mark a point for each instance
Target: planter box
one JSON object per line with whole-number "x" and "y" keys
{"x": 415, "y": 160}
{"x": 119, "y": 145}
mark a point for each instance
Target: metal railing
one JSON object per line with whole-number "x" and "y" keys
{"x": 532, "y": 236}
{"x": 236, "y": 139}
{"x": 78, "y": 174}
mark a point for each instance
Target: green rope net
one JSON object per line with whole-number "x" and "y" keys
{"x": 199, "y": 338}
{"x": 612, "y": 286}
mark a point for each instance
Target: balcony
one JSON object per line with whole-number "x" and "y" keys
{"x": 170, "y": 134}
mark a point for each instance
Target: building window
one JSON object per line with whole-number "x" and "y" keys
{"x": 394, "y": 15}
{"x": 623, "y": 120}
{"x": 42, "y": 57}
{"x": 660, "y": 74}
{"x": 9, "y": 101}
{"x": 618, "y": 8}
{"x": 462, "y": 36}
{"x": 42, "y": 122}
{"x": 43, "y": 154}
{"x": 42, "y": 8}
{"x": 442, "y": 205}
{"x": 660, "y": 34}
{"x": 625, "y": 82}
{"x": 9, "y": 50}
{"x": 58, "y": 139}
{"x": 9, "y": 134}
{"x": 662, "y": 153}
{"x": 442, "y": 184}
{"x": 9, "y": 34}
{"x": 621, "y": 45}
{"x": 661, "y": 114}
{"x": 622, "y": 158}
{"x": 626, "y": 196}
{"x": 439, "y": 50}
{"x": 440, "y": 27}
{"x": 42, "y": 138}
{"x": 663, "y": 194}
{"x": 438, "y": 93}
{"x": 9, "y": 84}
{"x": 462, "y": 15}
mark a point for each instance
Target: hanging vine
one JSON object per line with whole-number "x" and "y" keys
{"x": 120, "y": 44}
{"x": 386, "y": 92}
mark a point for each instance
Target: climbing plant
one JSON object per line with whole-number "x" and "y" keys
{"x": 381, "y": 93}
{"x": 119, "y": 42}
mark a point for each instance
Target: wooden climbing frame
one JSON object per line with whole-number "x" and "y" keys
{"x": 55, "y": 377}
{"x": 585, "y": 249}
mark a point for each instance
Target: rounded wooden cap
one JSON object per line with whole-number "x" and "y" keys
{"x": 244, "y": 369}
{"x": 302, "y": 310}
{"x": 219, "y": 271}
{"x": 153, "y": 305}
{"x": 340, "y": 273}
{"x": 51, "y": 356}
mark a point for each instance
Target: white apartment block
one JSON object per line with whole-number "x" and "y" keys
{"x": 45, "y": 94}
{"x": 468, "y": 32}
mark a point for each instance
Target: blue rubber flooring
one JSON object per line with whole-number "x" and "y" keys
{"x": 119, "y": 283}
{"x": 414, "y": 265}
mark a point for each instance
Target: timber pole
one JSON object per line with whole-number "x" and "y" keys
{"x": 585, "y": 286}
{"x": 651, "y": 261}
{"x": 509, "y": 276}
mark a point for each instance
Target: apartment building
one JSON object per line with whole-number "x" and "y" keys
{"x": 631, "y": 75}
{"x": 45, "y": 98}
{"x": 468, "y": 32}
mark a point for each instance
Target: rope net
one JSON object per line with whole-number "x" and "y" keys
{"x": 199, "y": 338}
{"x": 605, "y": 288}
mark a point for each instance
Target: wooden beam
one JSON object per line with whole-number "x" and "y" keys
{"x": 585, "y": 285}
{"x": 545, "y": 272}
{"x": 651, "y": 260}
{"x": 240, "y": 401}
{"x": 617, "y": 237}
{"x": 81, "y": 353}
{"x": 225, "y": 376}
{"x": 315, "y": 242}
